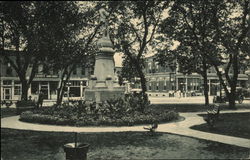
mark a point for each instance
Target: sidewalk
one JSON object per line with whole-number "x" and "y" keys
{"x": 177, "y": 100}
{"x": 180, "y": 128}
{"x": 185, "y": 100}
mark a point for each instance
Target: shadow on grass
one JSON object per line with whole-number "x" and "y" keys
{"x": 231, "y": 124}
{"x": 33, "y": 145}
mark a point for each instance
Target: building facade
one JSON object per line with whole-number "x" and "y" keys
{"x": 48, "y": 83}
{"x": 168, "y": 81}
{"x": 10, "y": 86}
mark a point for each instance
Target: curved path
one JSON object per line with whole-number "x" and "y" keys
{"x": 180, "y": 128}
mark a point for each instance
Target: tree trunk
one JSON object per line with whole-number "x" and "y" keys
{"x": 142, "y": 79}
{"x": 63, "y": 83}
{"x": 205, "y": 81}
{"x": 25, "y": 88}
{"x": 233, "y": 83}
{"x": 232, "y": 95}
{"x": 206, "y": 89}
{"x": 231, "y": 100}
{"x": 60, "y": 93}
{"x": 59, "y": 97}
{"x": 143, "y": 85}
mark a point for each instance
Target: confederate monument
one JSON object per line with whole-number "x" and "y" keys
{"x": 102, "y": 85}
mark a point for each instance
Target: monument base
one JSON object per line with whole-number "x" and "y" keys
{"x": 101, "y": 94}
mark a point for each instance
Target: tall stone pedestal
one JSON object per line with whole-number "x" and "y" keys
{"x": 102, "y": 85}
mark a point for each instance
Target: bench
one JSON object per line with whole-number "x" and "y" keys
{"x": 152, "y": 128}
{"x": 212, "y": 115}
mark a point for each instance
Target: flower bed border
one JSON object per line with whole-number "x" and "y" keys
{"x": 135, "y": 119}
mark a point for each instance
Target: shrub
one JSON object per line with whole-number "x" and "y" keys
{"x": 85, "y": 120}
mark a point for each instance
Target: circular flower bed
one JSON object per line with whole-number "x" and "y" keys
{"x": 118, "y": 112}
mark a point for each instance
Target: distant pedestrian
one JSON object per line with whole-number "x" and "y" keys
{"x": 179, "y": 93}
{"x": 183, "y": 94}
{"x": 40, "y": 99}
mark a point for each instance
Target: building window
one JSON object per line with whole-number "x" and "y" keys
{"x": 157, "y": 67}
{"x": 17, "y": 82}
{"x": 75, "y": 83}
{"x": 165, "y": 85}
{"x": 7, "y": 82}
{"x": 157, "y": 86}
{"x": 149, "y": 87}
{"x": 34, "y": 87}
{"x": 74, "y": 89}
{"x": 17, "y": 88}
{"x": 53, "y": 87}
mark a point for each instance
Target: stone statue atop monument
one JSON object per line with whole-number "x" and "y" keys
{"x": 104, "y": 21}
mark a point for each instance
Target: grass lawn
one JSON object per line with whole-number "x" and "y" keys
{"x": 7, "y": 112}
{"x": 231, "y": 124}
{"x": 194, "y": 107}
{"x": 32, "y": 145}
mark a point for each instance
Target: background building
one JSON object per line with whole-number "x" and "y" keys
{"x": 11, "y": 88}
{"x": 161, "y": 81}
{"x": 166, "y": 81}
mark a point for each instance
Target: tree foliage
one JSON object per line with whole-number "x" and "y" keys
{"x": 210, "y": 33}
{"x": 22, "y": 33}
{"x": 45, "y": 33}
{"x": 190, "y": 24}
{"x": 135, "y": 24}
{"x": 74, "y": 42}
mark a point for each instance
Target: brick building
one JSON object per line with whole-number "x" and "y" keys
{"x": 10, "y": 86}
{"x": 165, "y": 81}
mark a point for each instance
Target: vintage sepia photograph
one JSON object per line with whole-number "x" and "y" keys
{"x": 137, "y": 80}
